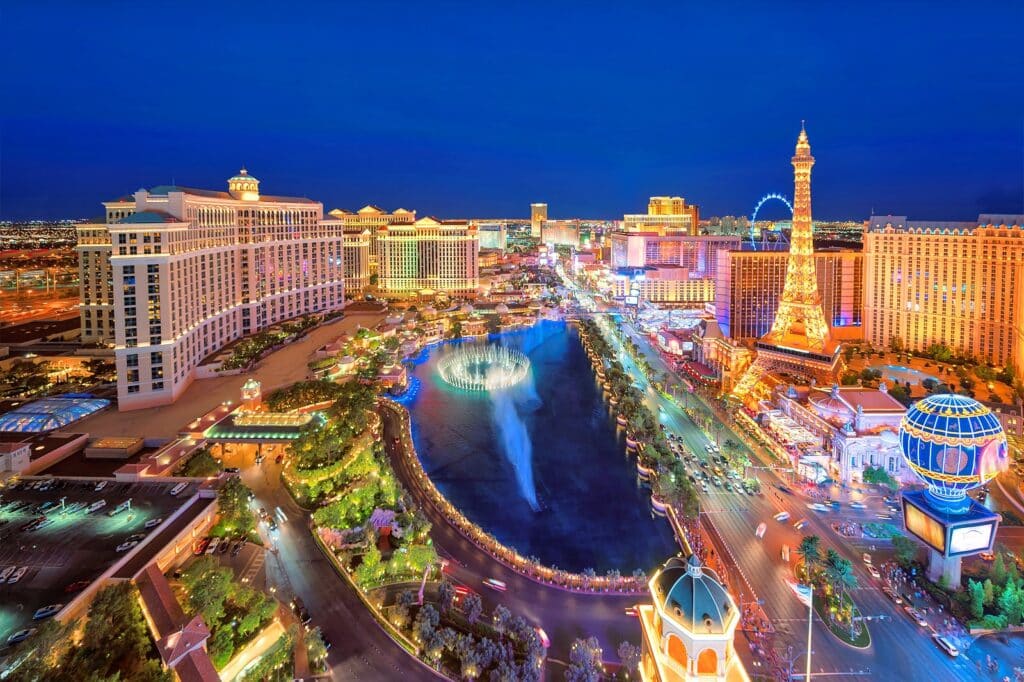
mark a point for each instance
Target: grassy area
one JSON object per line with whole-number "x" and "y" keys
{"x": 861, "y": 640}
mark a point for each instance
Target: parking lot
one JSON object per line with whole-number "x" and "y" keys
{"x": 57, "y": 546}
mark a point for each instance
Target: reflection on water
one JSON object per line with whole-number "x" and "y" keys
{"x": 588, "y": 510}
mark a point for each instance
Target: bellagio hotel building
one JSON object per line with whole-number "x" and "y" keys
{"x": 175, "y": 274}
{"x": 956, "y": 283}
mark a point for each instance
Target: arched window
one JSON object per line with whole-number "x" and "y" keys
{"x": 677, "y": 650}
{"x": 707, "y": 662}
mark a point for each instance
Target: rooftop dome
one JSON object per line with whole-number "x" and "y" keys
{"x": 830, "y": 406}
{"x": 243, "y": 176}
{"x": 692, "y": 596}
{"x": 501, "y": 309}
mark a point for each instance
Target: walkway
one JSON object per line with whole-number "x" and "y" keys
{"x": 284, "y": 367}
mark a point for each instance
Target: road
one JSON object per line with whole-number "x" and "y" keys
{"x": 736, "y": 516}
{"x": 360, "y": 649}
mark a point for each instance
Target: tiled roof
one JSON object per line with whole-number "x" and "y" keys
{"x": 147, "y": 218}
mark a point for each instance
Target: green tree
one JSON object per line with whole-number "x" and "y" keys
{"x": 584, "y": 661}
{"x": 501, "y": 618}
{"x": 809, "y": 550}
{"x": 976, "y": 595}
{"x": 905, "y": 549}
{"x": 998, "y": 571}
{"x": 988, "y": 590}
{"x": 629, "y": 655}
{"x": 474, "y": 608}
{"x": 426, "y": 622}
{"x": 236, "y": 517}
{"x": 455, "y": 329}
{"x": 200, "y": 465}
{"x": 221, "y": 647}
{"x": 1010, "y": 603}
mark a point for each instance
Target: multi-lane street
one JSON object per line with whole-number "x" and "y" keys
{"x": 899, "y": 649}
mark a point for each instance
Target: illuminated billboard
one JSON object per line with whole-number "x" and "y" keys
{"x": 927, "y": 529}
{"x": 971, "y": 539}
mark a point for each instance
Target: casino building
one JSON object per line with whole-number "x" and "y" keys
{"x": 177, "y": 273}
{"x": 688, "y": 630}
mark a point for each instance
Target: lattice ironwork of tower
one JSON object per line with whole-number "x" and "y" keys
{"x": 799, "y": 341}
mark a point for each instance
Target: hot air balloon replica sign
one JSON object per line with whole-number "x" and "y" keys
{"x": 954, "y": 444}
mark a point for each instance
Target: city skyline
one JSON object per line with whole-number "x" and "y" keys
{"x": 636, "y": 108}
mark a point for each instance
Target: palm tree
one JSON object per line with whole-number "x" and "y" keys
{"x": 810, "y": 551}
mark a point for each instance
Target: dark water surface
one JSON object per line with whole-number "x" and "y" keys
{"x": 593, "y": 513}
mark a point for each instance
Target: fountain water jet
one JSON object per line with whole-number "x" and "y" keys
{"x": 504, "y": 374}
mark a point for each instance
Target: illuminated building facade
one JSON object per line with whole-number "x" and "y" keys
{"x": 799, "y": 341}
{"x": 664, "y": 284}
{"x": 749, "y": 284}
{"x": 356, "y": 248}
{"x": 429, "y": 255}
{"x": 698, "y": 254}
{"x": 538, "y": 216}
{"x": 371, "y": 218}
{"x": 493, "y": 235}
{"x": 193, "y": 270}
{"x": 560, "y": 232}
{"x": 956, "y": 283}
{"x": 688, "y": 631}
{"x": 665, "y": 215}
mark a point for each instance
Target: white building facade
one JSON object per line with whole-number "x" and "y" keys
{"x": 193, "y": 270}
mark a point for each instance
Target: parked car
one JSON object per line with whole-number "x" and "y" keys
{"x": 47, "y": 611}
{"x": 18, "y": 575}
{"x": 153, "y": 523}
{"x": 201, "y": 545}
{"x": 77, "y": 586}
{"x": 21, "y": 635}
{"x": 125, "y": 546}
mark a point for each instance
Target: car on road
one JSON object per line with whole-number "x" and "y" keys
{"x": 545, "y": 641}
{"x": 946, "y": 645}
{"x": 761, "y": 528}
{"x": 101, "y": 485}
{"x": 77, "y": 586}
{"x": 125, "y": 546}
{"x": 21, "y": 635}
{"x": 987, "y": 556}
{"x": 785, "y": 553}
{"x": 279, "y": 513}
{"x": 47, "y": 611}
{"x": 271, "y": 525}
{"x": 874, "y": 573}
{"x": 153, "y": 523}
{"x": 631, "y": 611}
{"x": 858, "y": 505}
{"x": 916, "y": 615}
{"x": 495, "y": 584}
{"x": 278, "y": 459}
{"x": 231, "y": 470}
{"x": 799, "y": 525}
{"x": 866, "y": 557}
{"x": 300, "y": 611}
{"x": 784, "y": 489}
{"x": 818, "y": 507}
{"x": 892, "y": 594}
{"x": 176, "y": 490}
{"x": 782, "y": 516}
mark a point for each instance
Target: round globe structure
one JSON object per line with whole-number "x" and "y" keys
{"x": 484, "y": 368}
{"x": 954, "y": 443}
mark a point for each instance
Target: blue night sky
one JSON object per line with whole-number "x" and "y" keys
{"x": 473, "y": 110}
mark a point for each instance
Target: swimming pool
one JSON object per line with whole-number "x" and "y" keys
{"x": 904, "y": 374}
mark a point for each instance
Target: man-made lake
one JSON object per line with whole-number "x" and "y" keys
{"x": 483, "y": 452}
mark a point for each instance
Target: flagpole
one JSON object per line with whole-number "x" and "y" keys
{"x": 810, "y": 622}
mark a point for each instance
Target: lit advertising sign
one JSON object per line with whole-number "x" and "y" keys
{"x": 970, "y": 539}
{"x": 632, "y": 300}
{"x": 928, "y": 530}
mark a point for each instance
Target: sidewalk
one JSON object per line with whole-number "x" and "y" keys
{"x": 254, "y": 650}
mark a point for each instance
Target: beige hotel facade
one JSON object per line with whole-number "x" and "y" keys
{"x": 956, "y": 283}
{"x": 176, "y": 273}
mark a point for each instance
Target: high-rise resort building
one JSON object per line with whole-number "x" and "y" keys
{"x": 370, "y": 218}
{"x": 538, "y": 216}
{"x": 955, "y": 283}
{"x": 749, "y": 284}
{"x": 429, "y": 256}
{"x": 665, "y": 215}
{"x": 191, "y": 270}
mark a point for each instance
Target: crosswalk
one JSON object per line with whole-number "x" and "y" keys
{"x": 255, "y": 566}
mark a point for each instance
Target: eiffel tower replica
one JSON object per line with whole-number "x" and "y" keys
{"x": 799, "y": 343}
